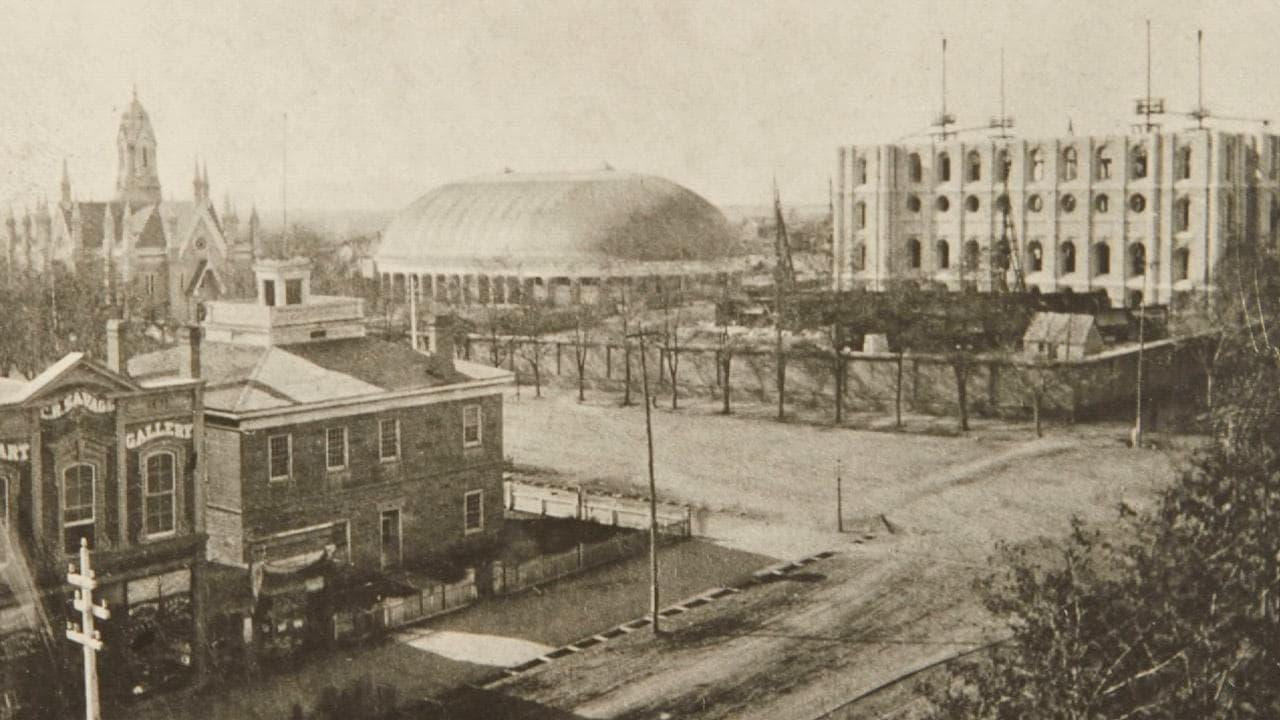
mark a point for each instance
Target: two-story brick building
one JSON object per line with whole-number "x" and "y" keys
{"x": 332, "y": 451}
{"x": 88, "y": 453}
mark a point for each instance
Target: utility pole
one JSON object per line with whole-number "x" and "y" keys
{"x": 653, "y": 487}
{"x": 85, "y": 583}
{"x": 411, "y": 285}
{"x": 839, "y": 500}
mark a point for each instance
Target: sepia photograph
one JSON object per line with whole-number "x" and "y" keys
{"x": 665, "y": 360}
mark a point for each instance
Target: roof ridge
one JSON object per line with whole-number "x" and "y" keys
{"x": 252, "y": 378}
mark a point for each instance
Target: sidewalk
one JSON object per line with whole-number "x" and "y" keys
{"x": 552, "y": 615}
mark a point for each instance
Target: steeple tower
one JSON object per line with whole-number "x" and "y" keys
{"x": 66, "y": 185}
{"x": 198, "y": 188}
{"x": 137, "y": 182}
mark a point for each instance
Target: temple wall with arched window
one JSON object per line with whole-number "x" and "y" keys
{"x": 973, "y": 166}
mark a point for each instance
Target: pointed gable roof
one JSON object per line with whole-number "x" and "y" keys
{"x": 72, "y": 368}
{"x": 1059, "y": 328}
{"x": 147, "y": 229}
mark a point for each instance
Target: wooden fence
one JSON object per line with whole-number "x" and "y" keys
{"x": 513, "y": 577}
{"x": 430, "y": 600}
{"x": 550, "y": 501}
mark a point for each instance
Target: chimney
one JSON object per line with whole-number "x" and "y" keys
{"x": 442, "y": 352}
{"x": 116, "y": 359}
{"x": 189, "y": 352}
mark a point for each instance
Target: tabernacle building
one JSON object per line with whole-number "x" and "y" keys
{"x": 1142, "y": 216}
{"x": 563, "y": 238}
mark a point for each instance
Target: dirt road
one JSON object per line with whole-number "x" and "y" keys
{"x": 925, "y": 512}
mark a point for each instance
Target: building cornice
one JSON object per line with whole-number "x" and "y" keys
{"x": 345, "y": 407}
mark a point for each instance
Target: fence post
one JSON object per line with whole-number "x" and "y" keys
{"x": 579, "y": 556}
{"x": 608, "y": 361}
{"x": 582, "y": 504}
{"x": 558, "y": 358}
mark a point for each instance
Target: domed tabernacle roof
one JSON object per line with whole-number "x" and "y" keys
{"x": 597, "y": 216}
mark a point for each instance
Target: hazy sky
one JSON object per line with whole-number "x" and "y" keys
{"x": 386, "y": 100}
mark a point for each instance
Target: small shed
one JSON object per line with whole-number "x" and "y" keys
{"x": 1061, "y": 336}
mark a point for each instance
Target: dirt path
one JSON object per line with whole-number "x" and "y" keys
{"x": 898, "y": 596}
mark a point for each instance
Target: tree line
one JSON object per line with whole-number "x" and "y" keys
{"x": 1175, "y": 613}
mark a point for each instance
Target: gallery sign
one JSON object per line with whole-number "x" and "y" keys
{"x": 151, "y": 431}
{"x": 77, "y": 399}
{"x": 15, "y": 451}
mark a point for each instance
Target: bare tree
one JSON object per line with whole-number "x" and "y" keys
{"x": 532, "y": 324}
{"x": 729, "y": 340}
{"x": 629, "y": 312}
{"x": 585, "y": 319}
{"x": 672, "y": 308}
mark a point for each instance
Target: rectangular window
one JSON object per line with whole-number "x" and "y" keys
{"x": 292, "y": 292}
{"x": 160, "y": 494}
{"x": 335, "y": 448}
{"x": 473, "y": 511}
{"x": 151, "y": 284}
{"x": 78, "y": 486}
{"x": 279, "y": 456}
{"x": 390, "y": 538}
{"x": 471, "y": 426}
{"x": 389, "y": 439}
{"x": 269, "y": 292}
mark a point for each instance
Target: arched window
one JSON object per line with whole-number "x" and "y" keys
{"x": 1002, "y": 203}
{"x": 1067, "y": 263}
{"x": 1003, "y": 165}
{"x": 860, "y": 171}
{"x": 974, "y": 166}
{"x": 971, "y": 203}
{"x": 160, "y": 494}
{"x": 1138, "y": 162}
{"x": 1102, "y": 163}
{"x": 859, "y": 257}
{"x": 1137, "y": 259}
{"x": 1101, "y": 259}
{"x": 860, "y": 215}
{"x": 1182, "y": 213}
{"x": 1101, "y": 204}
{"x": 1035, "y": 257}
{"x": 1035, "y": 203}
{"x": 944, "y": 255}
{"x": 78, "y": 486}
{"x": 913, "y": 254}
{"x": 913, "y": 203}
{"x": 914, "y": 168}
{"x": 1068, "y": 204}
{"x": 971, "y": 254}
{"x": 1184, "y": 163}
{"x": 1070, "y": 163}
{"x": 1137, "y": 203}
{"x": 942, "y": 203}
{"x": 1181, "y": 264}
{"x": 1037, "y": 165}
{"x": 944, "y": 167}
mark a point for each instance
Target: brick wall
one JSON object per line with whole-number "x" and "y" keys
{"x": 427, "y": 483}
